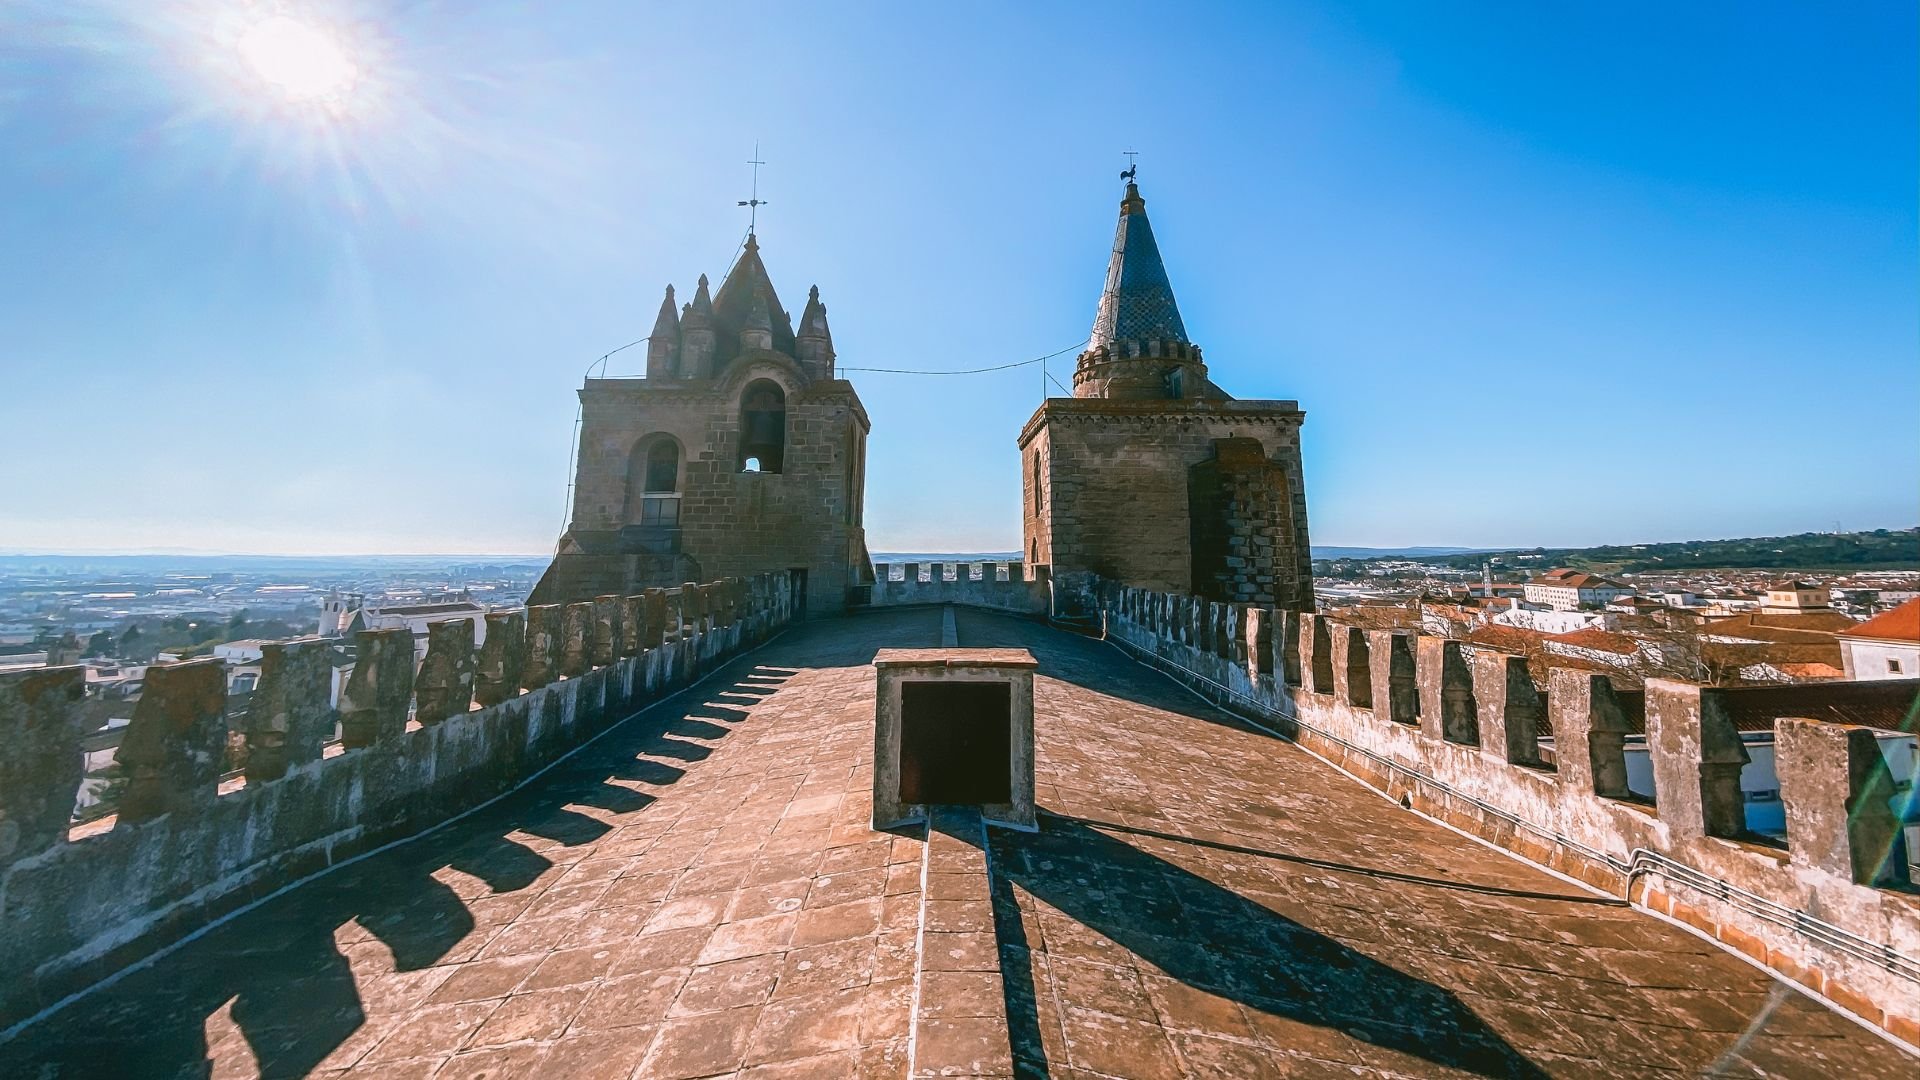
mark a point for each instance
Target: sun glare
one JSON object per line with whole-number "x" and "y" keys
{"x": 301, "y": 62}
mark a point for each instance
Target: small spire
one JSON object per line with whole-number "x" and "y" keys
{"x": 697, "y": 335}
{"x": 666, "y": 325}
{"x": 702, "y": 307}
{"x": 814, "y": 342}
{"x": 757, "y": 331}
{"x": 663, "y": 345}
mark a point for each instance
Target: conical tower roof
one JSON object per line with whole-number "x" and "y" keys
{"x": 733, "y": 303}
{"x": 1137, "y": 304}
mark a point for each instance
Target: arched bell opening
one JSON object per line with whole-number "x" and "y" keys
{"x": 763, "y": 427}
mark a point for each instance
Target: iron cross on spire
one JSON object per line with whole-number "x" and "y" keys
{"x": 754, "y": 204}
{"x": 1131, "y": 167}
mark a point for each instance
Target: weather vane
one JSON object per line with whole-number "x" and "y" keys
{"x": 1132, "y": 168}
{"x": 754, "y": 204}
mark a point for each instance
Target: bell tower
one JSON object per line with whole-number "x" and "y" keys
{"x": 1151, "y": 475}
{"x": 739, "y": 452}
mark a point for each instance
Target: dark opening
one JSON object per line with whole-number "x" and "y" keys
{"x": 763, "y": 427}
{"x": 663, "y": 466}
{"x": 956, "y": 743}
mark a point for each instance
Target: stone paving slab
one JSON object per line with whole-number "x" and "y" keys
{"x": 696, "y": 894}
{"x": 1204, "y": 900}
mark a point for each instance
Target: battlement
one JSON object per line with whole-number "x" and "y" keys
{"x": 1011, "y": 586}
{"x": 1464, "y": 734}
{"x": 416, "y": 748}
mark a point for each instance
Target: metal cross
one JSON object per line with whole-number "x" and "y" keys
{"x": 754, "y": 204}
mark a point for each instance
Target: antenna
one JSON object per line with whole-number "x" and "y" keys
{"x": 754, "y": 204}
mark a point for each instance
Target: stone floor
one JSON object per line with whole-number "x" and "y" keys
{"x": 697, "y": 894}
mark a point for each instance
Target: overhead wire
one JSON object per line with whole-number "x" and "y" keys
{"x": 601, "y": 362}
{"x": 967, "y": 371}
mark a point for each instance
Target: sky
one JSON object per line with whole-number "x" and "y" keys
{"x": 1537, "y": 274}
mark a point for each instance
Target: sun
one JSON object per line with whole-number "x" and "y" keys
{"x": 303, "y": 63}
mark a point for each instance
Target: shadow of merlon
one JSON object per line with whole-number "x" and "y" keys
{"x": 1214, "y": 939}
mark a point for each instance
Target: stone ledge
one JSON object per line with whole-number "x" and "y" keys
{"x": 959, "y": 1001}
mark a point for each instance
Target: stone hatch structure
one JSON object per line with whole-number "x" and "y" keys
{"x": 1150, "y": 474}
{"x": 740, "y": 453}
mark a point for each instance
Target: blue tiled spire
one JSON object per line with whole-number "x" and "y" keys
{"x": 1137, "y": 304}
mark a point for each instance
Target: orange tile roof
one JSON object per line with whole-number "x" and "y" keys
{"x": 1900, "y": 624}
{"x": 1812, "y": 626}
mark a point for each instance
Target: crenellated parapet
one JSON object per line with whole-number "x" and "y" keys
{"x": 1011, "y": 586}
{"x": 40, "y": 770}
{"x": 194, "y": 837}
{"x": 290, "y": 720}
{"x": 444, "y": 685}
{"x": 1636, "y": 792}
{"x": 176, "y": 743}
{"x": 373, "y": 706}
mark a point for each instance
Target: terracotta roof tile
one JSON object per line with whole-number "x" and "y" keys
{"x": 1900, "y": 624}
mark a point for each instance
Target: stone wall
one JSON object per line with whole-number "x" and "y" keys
{"x": 807, "y": 515}
{"x": 1012, "y": 587}
{"x": 188, "y": 847}
{"x": 1116, "y": 478}
{"x": 1466, "y": 736}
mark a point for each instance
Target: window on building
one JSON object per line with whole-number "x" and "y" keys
{"x": 653, "y": 482}
{"x": 1036, "y": 482}
{"x": 763, "y": 427}
{"x": 1893, "y": 667}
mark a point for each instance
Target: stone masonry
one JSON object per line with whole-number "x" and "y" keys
{"x": 739, "y": 453}
{"x": 1152, "y": 476}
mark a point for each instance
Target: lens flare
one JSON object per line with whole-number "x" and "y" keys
{"x": 301, "y": 62}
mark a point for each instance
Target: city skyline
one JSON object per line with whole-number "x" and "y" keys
{"x": 1532, "y": 284}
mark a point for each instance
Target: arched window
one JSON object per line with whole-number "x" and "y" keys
{"x": 763, "y": 427}
{"x": 653, "y": 482}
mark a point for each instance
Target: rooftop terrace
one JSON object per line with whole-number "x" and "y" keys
{"x": 696, "y": 893}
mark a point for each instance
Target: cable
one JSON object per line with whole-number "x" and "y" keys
{"x": 968, "y": 371}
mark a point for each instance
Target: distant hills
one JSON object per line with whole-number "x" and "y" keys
{"x": 1881, "y": 549}
{"x": 202, "y": 563}
{"x": 1386, "y": 553}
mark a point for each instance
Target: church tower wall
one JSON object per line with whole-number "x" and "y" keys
{"x": 1152, "y": 476}
{"x": 694, "y": 473}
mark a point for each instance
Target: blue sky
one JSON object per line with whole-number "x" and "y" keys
{"x": 1538, "y": 274}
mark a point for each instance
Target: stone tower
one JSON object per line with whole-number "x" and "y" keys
{"x": 1152, "y": 476}
{"x": 740, "y": 452}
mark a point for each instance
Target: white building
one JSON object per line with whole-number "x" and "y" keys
{"x": 1795, "y": 597}
{"x": 1548, "y": 620}
{"x": 1571, "y": 590}
{"x": 344, "y": 615}
{"x": 1886, "y": 646}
